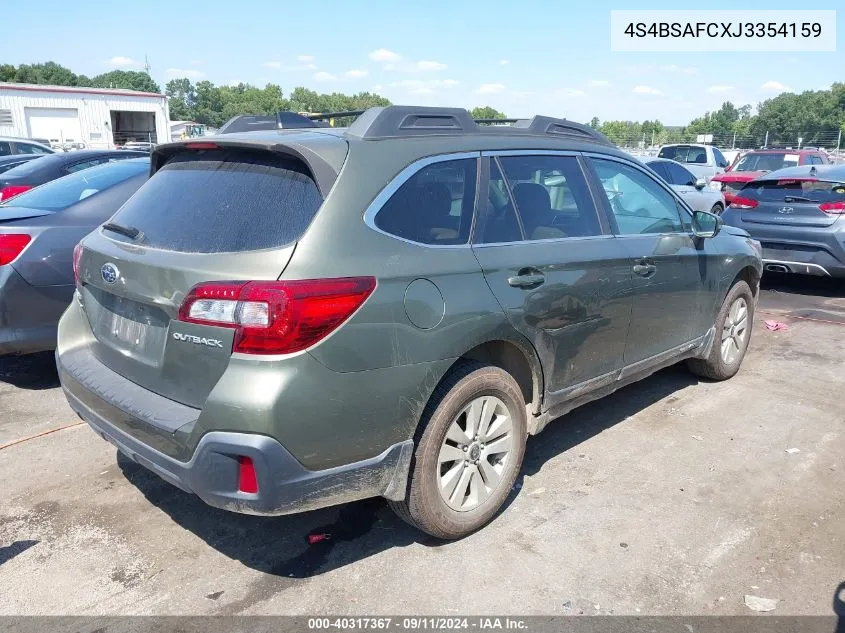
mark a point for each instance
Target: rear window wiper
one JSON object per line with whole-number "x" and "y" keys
{"x": 799, "y": 199}
{"x": 129, "y": 231}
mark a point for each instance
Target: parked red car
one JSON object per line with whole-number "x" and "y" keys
{"x": 758, "y": 162}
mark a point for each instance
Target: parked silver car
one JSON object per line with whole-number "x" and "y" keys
{"x": 705, "y": 161}
{"x": 693, "y": 189}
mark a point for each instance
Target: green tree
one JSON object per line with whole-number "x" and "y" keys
{"x": 182, "y": 99}
{"x": 594, "y": 123}
{"x": 486, "y": 112}
{"x": 127, "y": 80}
{"x": 47, "y": 73}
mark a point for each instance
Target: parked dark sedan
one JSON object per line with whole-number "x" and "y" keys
{"x": 38, "y": 232}
{"x": 798, "y": 215}
{"x": 10, "y": 162}
{"x": 25, "y": 177}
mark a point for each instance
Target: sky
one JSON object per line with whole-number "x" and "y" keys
{"x": 523, "y": 58}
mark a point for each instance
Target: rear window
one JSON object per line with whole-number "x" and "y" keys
{"x": 223, "y": 201}
{"x": 795, "y": 190}
{"x": 767, "y": 161}
{"x": 691, "y": 154}
{"x": 62, "y": 193}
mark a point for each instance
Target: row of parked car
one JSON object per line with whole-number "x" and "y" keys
{"x": 791, "y": 200}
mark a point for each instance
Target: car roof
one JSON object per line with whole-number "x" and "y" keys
{"x": 80, "y": 154}
{"x": 822, "y": 172}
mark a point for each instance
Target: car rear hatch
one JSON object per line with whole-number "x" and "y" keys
{"x": 211, "y": 213}
{"x": 798, "y": 202}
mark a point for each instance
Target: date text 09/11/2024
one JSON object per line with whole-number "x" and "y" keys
{"x": 724, "y": 29}
{"x": 417, "y": 623}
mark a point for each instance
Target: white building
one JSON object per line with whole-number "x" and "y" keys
{"x": 95, "y": 117}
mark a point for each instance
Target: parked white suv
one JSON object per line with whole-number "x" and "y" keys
{"x": 705, "y": 161}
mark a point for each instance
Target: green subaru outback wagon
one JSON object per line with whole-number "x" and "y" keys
{"x": 282, "y": 320}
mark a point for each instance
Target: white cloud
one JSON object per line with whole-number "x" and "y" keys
{"x": 646, "y": 90}
{"x": 306, "y": 59}
{"x": 378, "y": 88}
{"x": 356, "y": 73}
{"x": 272, "y": 64}
{"x": 422, "y": 90}
{"x": 504, "y": 62}
{"x": 324, "y": 76}
{"x": 775, "y": 86}
{"x": 719, "y": 88}
{"x": 384, "y": 55}
{"x": 430, "y": 65}
{"x": 189, "y": 73}
{"x": 598, "y": 83}
{"x": 489, "y": 89}
{"x": 123, "y": 62}
{"x": 196, "y": 62}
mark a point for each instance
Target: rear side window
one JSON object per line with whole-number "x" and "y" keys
{"x": 223, "y": 201}
{"x": 794, "y": 190}
{"x": 5, "y": 148}
{"x": 60, "y": 194}
{"x": 434, "y": 206}
{"x": 680, "y": 175}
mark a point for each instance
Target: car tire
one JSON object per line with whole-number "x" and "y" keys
{"x": 450, "y": 498}
{"x": 717, "y": 209}
{"x": 733, "y": 333}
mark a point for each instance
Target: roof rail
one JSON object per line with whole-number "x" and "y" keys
{"x": 409, "y": 121}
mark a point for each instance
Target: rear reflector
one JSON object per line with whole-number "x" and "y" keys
{"x": 77, "y": 255}
{"x": 11, "y": 245}
{"x": 276, "y": 317}
{"x": 247, "y": 480}
{"x": 10, "y": 191}
{"x": 833, "y": 208}
{"x": 743, "y": 203}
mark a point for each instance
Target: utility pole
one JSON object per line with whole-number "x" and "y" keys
{"x": 652, "y": 138}
{"x": 733, "y": 143}
{"x": 766, "y": 142}
{"x": 838, "y": 141}
{"x": 147, "y": 66}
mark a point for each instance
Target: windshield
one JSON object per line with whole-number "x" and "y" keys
{"x": 690, "y": 154}
{"x": 766, "y": 162}
{"x": 62, "y": 193}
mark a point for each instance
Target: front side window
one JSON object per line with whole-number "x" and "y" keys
{"x": 638, "y": 203}
{"x": 5, "y": 148}
{"x": 680, "y": 175}
{"x": 434, "y": 206}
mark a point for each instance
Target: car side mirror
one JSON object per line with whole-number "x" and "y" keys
{"x": 706, "y": 224}
{"x": 700, "y": 183}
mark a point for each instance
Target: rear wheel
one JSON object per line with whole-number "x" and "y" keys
{"x": 469, "y": 454}
{"x": 733, "y": 332}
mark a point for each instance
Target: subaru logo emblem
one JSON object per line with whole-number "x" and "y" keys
{"x": 786, "y": 210}
{"x": 110, "y": 273}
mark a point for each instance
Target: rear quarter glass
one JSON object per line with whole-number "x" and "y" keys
{"x": 219, "y": 201}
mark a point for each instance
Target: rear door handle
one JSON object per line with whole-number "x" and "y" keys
{"x": 527, "y": 280}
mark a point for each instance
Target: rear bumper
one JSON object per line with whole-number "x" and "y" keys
{"x": 29, "y": 315}
{"x": 284, "y": 485}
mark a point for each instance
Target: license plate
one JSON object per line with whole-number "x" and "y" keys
{"x": 127, "y": 331}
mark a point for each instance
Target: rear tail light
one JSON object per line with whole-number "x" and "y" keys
{"x": 744, "y": 203}
{"x": 12, "y": 245}
{"x": 10, "y": 191}
{"x": 247, "y": 479}
{"x": 833, "y": 208}
{"x": 77, "y": 256}
{"x": 276, "y": 317}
